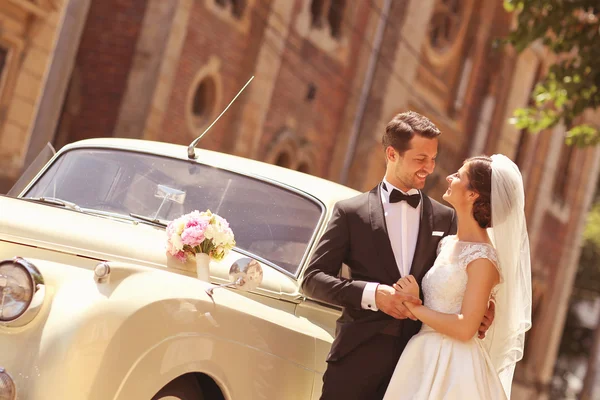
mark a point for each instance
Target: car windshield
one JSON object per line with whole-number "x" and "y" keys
{"x": 271, "y": 222}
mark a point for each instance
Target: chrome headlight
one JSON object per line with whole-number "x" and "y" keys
{"x": 7, "y": 386}
{"x": 21, "y": 291}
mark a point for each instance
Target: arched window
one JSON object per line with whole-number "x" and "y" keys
{"x": 3, "y": 56}
{"x": 204, "y": 100}
{"x": 304, "y": 167}
{"x": 316, "y": 13}
{"x": 449, "y": 51}
{"x": 284, "y": 160}
{"x": 335, "y": 16}
{"x": 204, "y": 94}
{"x": 236, "y": 7}
{"x": 290, "y": 151}
{"x": 328, "y": 14}
{"x": 445, "y": 24}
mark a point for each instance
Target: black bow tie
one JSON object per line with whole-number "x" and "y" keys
{"x": 413, "y": 200}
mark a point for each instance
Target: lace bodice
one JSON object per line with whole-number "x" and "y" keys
{"x": 445, "y": 283}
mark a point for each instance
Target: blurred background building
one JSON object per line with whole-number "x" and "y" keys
{"x": 329, "y": 75}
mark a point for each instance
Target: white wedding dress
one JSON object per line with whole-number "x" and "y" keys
{"x": 433, "y": 365}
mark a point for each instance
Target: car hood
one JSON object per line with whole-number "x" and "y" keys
{"x": 107, "y": 239}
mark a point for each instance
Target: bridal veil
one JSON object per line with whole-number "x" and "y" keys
{"x": 505, "y": 340}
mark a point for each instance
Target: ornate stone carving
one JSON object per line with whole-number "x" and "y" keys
{"x": 445, "y": 24}
{"x": 290, "y": 151}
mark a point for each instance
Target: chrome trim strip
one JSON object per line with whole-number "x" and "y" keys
{"x": 310, "y": 300}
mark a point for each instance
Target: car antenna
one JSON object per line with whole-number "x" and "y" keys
{"x": 191, "y": 148}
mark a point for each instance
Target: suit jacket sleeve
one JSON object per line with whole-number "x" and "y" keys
{"x": 321, "y": 279}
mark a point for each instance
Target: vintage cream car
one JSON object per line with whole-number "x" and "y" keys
{"x": 92, "y": 307}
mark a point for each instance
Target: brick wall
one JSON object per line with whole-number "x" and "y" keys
{"x": 369, "y": 137}
{"x": 211, "y": 37}
{"x": 319, "y": 122}
{"x": 29, "y": 41}
{"x": 103, "y": 63}
{"x": 550, "y": 246}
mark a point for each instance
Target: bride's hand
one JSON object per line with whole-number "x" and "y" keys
{"x": 408, "y": 284}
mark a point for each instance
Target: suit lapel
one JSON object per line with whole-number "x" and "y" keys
{"x": 422, "y": 251}
{"x": 380, "y": 234}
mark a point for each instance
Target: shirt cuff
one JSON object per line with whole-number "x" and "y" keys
{"x": 368, "y": 296}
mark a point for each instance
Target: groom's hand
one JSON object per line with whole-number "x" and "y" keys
{"x": 488, "y": 318}
{"x": 390, "y": 302}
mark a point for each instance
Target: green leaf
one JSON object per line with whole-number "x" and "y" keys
{"x": 583, "y": 135}
{"x": 592, "y": 227}
{"x": 571, "y": 30}
{"x": 509, "y": 5}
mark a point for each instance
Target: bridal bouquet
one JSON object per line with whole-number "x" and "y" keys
{"x": 197, "y": 233}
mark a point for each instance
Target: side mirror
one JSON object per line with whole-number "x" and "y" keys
{"x": 245, "y": 274}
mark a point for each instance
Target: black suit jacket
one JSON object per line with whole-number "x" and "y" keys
{"x": 357, "y": 236}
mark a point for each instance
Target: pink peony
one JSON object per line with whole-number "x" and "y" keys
{"x": 181, "y": 256}
{"x": 196, "y": 219}
{"x": 193, "y": 234}
{"x": 199, "y": 232}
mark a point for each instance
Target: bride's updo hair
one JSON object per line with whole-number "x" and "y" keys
{"x": 479, "y": 172}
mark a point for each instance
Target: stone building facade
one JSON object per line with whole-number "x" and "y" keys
{"x": 28, "y": 35}
{"x": 329, "y": 74}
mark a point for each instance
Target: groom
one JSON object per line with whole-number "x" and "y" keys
{"x": 389, "y": 232}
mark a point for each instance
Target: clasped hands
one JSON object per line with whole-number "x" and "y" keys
{"x": 392, "y": 299}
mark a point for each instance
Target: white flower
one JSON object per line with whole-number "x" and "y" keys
{"x": 180, "y": 225}
{"x": 210, "y": 232}
{"x": 217, "y": 234}
{"x": 176, "y": 242}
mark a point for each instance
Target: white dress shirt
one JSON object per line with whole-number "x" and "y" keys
{"x": 402, "y": 223}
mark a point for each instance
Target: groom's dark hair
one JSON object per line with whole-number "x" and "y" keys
{"x": 401, "y": 129}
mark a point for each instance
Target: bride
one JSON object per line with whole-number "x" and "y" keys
{"x": 487, "y": 259}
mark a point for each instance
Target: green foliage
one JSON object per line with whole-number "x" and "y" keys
{"x": 592, "y": 228}
{"x": 571, "y": 30}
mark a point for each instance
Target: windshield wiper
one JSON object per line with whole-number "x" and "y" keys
{"x": 155, "y": 221}
{"x": 72, "y": 206}
{"x": 55, "y": 201}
